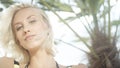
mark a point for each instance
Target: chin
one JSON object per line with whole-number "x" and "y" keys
{"x": 33, "y": 45}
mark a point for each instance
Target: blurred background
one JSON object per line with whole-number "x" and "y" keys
{"x": 85, "y": 31}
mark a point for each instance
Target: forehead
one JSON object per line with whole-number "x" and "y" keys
{"x": 28, "y": 10}
{"x": 22, "y": 13}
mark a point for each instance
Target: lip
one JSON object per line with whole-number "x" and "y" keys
{"x": 29, "y": 37}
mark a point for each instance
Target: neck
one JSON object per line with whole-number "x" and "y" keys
{"x": 40, "y": 59}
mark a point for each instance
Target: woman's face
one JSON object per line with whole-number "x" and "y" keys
{"x": 29, "y": 28}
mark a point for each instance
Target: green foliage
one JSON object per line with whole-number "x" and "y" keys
{"x": 84, "y": 38}
{"x": 56, "y": 5}
{"x": 1, "y": 9}
{"x": 63, "y": 7}
{"x": 105, "y": 11}
{"x": 116, "y": 22}
{"x": 83, "y": 6}
{"x": 6, "y": 3}
{"x": 95, "y": 5}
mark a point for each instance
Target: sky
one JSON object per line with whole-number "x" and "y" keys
{"x": 66, "y": 54}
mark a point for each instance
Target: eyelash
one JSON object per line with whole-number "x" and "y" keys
{"x": 32, "y": 21}
{"x": 18, "y": 28}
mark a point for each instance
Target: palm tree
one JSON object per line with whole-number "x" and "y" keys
{"x": 103, "y": 50}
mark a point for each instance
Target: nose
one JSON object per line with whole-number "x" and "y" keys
{"x": 26, "y": 29}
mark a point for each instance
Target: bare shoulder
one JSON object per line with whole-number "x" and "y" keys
{"x": 74, "y": 66}
{"x": 61, "y": 66}
{"x": 79, "y": 66}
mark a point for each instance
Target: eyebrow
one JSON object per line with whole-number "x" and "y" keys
{"x": 27, "y": 18}
{"x": 30, "y": 16}
{"x": 16, "y": 23}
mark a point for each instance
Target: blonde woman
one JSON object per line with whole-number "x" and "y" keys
{"x": 27, "y": 34}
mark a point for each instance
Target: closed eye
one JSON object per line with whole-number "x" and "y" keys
{"x": 19, "y": 27}
{"x": 32, "y": 21}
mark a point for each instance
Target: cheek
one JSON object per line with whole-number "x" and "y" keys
{"x": 20, "y": 42}
{"x": 44, "y": 26}
{"x": 18, "y": 37}
{"x": 39, "y": 28}
{"x": 15, "y": 36}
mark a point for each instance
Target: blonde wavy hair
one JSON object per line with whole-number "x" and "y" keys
{"x": 8, "y": 38}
